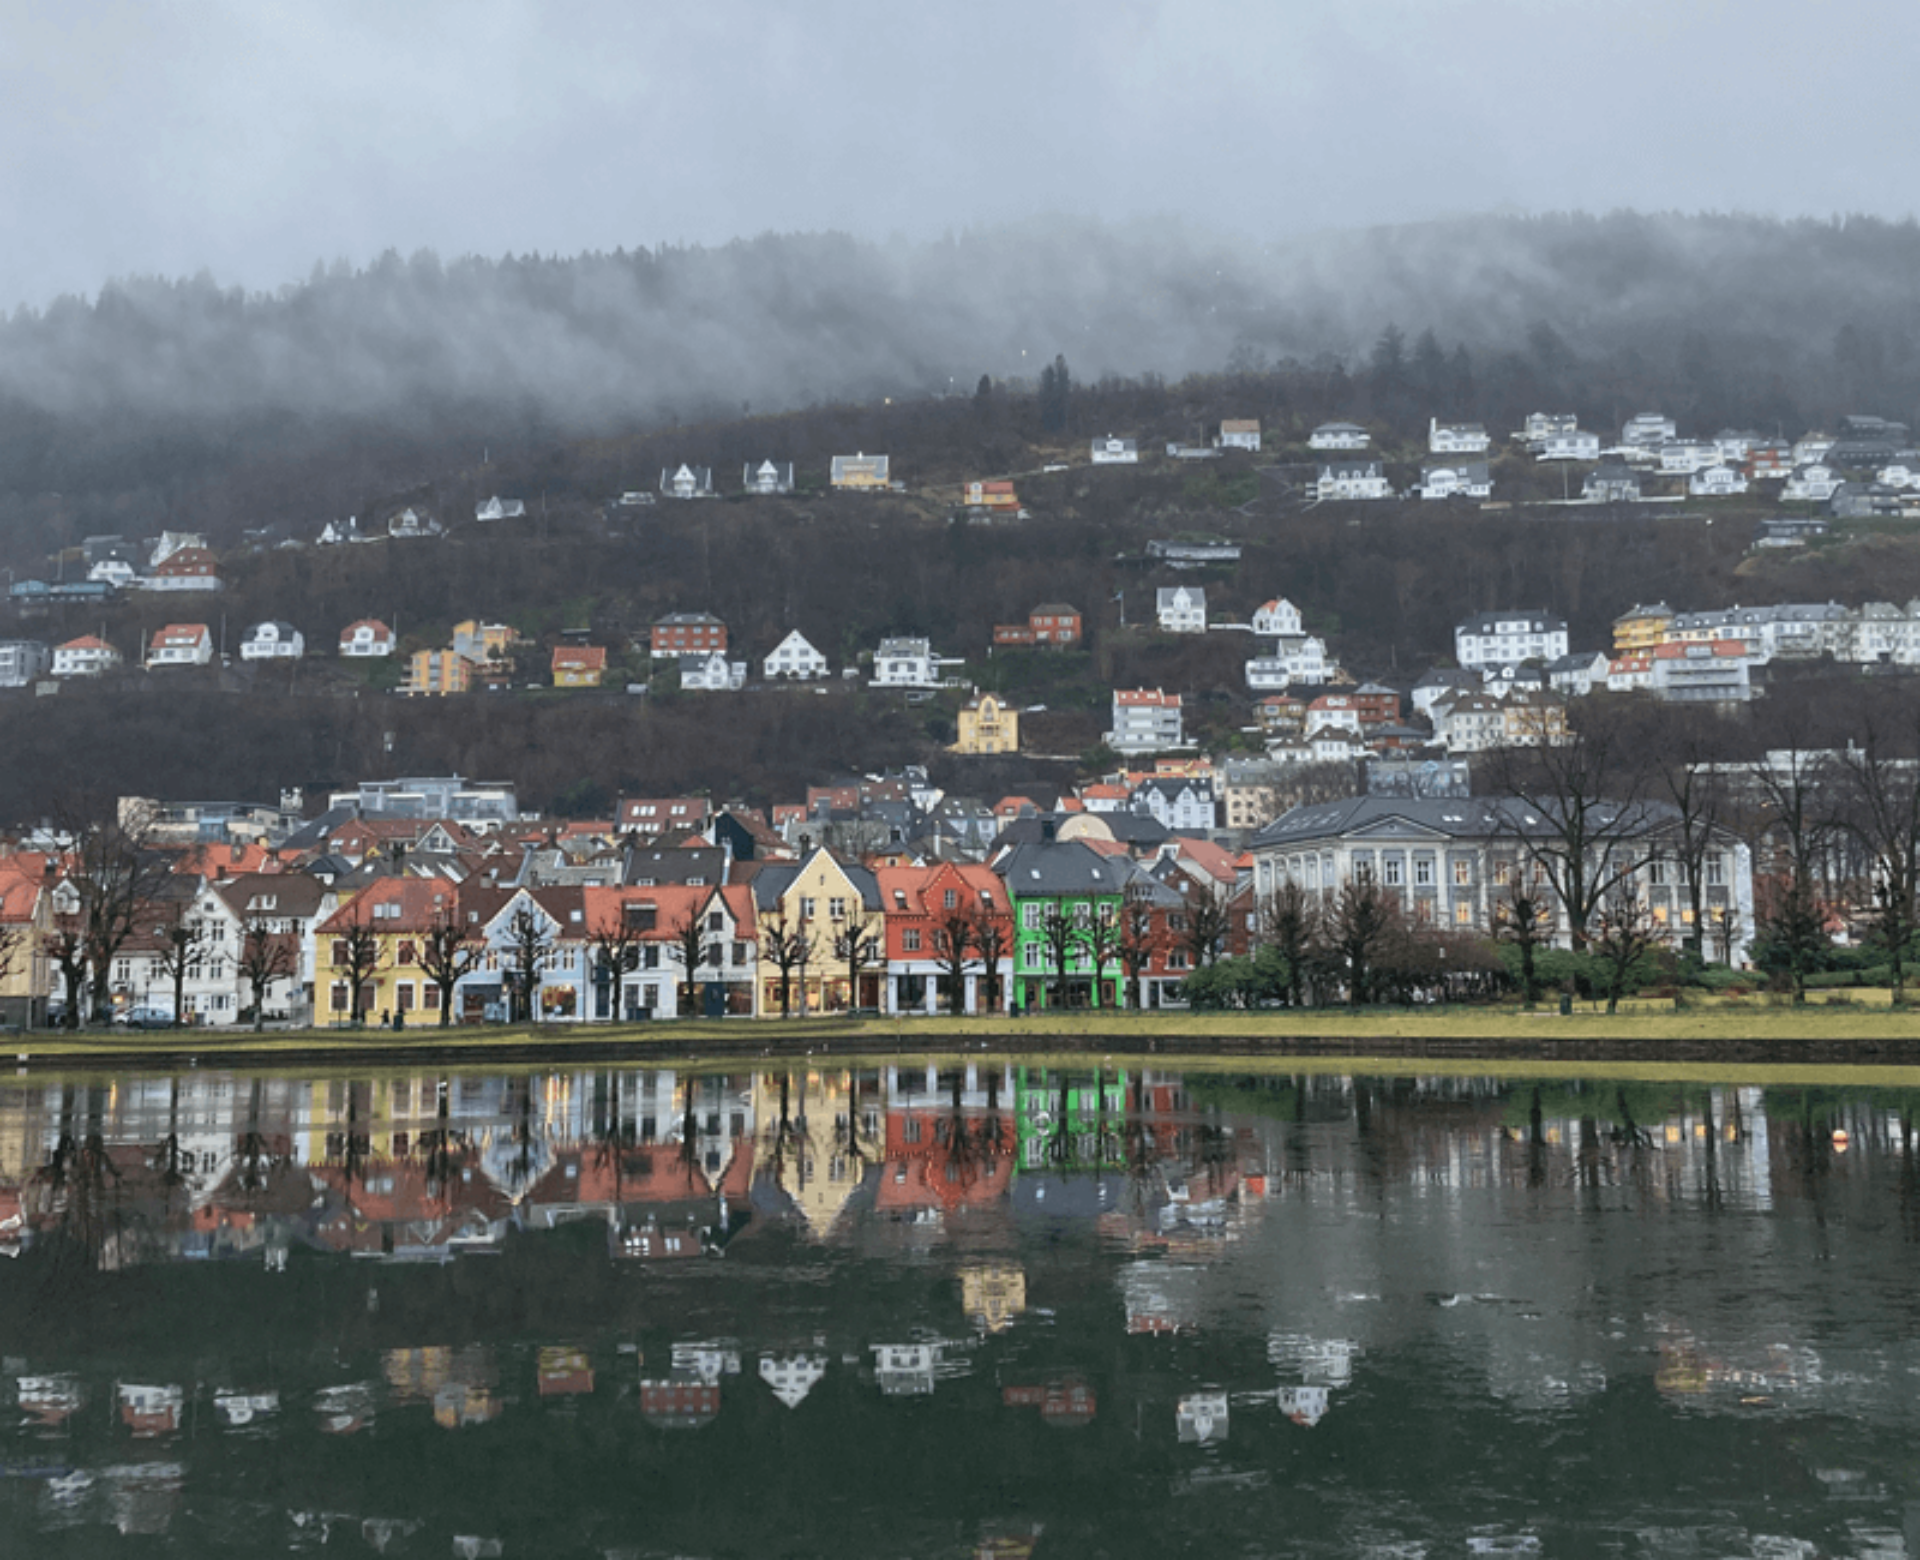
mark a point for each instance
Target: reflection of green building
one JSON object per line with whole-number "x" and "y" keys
{"x": 1071, "y": 881}
{"x": 1070, "y": 1120}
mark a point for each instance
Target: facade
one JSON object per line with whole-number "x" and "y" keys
{"x": 907, "y": 663}
{"x": 920, "y": 903}
{"x": 1145, "y": 720}
{"x": 683, "y": 633}
{"x": 990, "y": 496}
{"x": 1508, "y": 638}
{"x": 1181, "y": 609}
{"x": 1339, "y": 436}
{"x": 1612, "y": 482}
{"x": 861, "y": 472}
{"x": 273, "y": 642}
{"x": 1352, "y": 479}
{"x": 987, "y": 725}
{"x": 1278, "y": 616}
{"x": 1568, "y": 444}
{"x": 1296, "y": 658}
{"x": 87, "y": 656}
{"x": 1240, "y": 434}
{"x": 1639, "y": 629}
{"x": 1717, "y": 482}
{"x": 831, "y": 907}
{"x": 1451, "y": 860}
{"x": 579, "y": 666}
{"x": 1717, "y": 672}
{"x": 431, "y": 673}
{"x": 795, "y": 659}
{"x": 498, "y": 508}
{"x": 686, "y": 482}
{"x": 1179, "y": 804}
{"x": 712, "y": 672}
{"x": 368, "y": 637}
{"x": 1648, "y": 431}
{"x": 1115, "y": 452}
{"x": 181, "y": 644}
{"x": 1456, "y": 438}
{"x": 21, "y": 661}
{"x": 1074, "y": 882}
{"x": 1456, "y": 479}
{"x": 185, "y": 568}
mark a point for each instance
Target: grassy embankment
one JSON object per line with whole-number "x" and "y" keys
{"x": 1863, "y": 1027}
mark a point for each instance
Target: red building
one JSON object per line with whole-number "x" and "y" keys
{"x": 689, "y": 633}
{"x": 1052, "y": 624}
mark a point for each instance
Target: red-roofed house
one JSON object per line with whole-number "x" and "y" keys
{"x": 368, "y": 637}
{"x": 186, "y": 568}
{"x": 579, "y": 666}
{"x": 87, "y": 656}
{"x": 181, "y": 644}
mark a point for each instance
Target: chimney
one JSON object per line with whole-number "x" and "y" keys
{"x": 1047, "y": 830}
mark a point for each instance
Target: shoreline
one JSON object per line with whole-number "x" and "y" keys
{"x": 1648, "y": 1034}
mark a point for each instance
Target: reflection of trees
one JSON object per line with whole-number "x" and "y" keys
{"x": 441, "y": 1147}
{"x": 80, "y": 1180}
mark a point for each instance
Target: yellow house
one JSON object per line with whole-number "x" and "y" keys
{"x": 396, "y": 912}
{"x": 579, "y": 666}
{"x": 1641, "y": 630}
{"x": 861, "y": 471}
{"x": 478, "y": 641}
{"x": 821, "y": 903}
{"x": 818, "y": 1146}
{"x": 988, "y": 726}
{"x": 437, "y": 672}
{"x": 26, "y": 917}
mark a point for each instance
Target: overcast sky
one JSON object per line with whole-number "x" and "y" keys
{"x": 253, "y": 138}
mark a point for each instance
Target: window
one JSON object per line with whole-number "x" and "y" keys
{"x": 1463, "y": 873}
{"x": 407, "y": 951}
{"x": 1393, "y": 871}
{"x": 739, "y": 953}
{"x": 837, "y": 909}
{"x": 1423, "y": 871}
{"x": 338, "y": 997}
{"x": 1716, "y": 871}
{"x": 1462, "y": 913}
{"x": 1502, "y": 873}
{"x": 910, "y": 939}
{"x": 432, "y": 994}
{"x": 806, "y": 908}
{"x": 949, "y": 900}
{"x": 1030, "y": 916}
{"x": 716, "y": 922}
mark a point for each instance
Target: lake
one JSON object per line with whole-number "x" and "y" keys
{"x": 994, "y": 1308}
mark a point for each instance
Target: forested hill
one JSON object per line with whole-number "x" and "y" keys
{"x": 183, "y": 403}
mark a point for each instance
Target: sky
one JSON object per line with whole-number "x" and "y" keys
{"x": 254, "y": 139}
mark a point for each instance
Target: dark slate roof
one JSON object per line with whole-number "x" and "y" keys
{"x": 673, "y": 864}
{"x": 1062, "y": 867}
{"x": 1467, "y": 817}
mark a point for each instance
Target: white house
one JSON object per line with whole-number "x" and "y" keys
{"x": 1182, "y": 806}
{"x": 1470, "y": 724}
{"x": 1296, "y": 658}
{"x": 1507, "y": 638}
{"x": 116, "y": 569}
{"x": 1240, "y": 434}
{"x": 711, "y": 672}
{"x": 368, "y": 637}
{"x": 1576, "y": 675}
{"x": 87, "y": 656}
{"x": 22, "y": 660}
{"x": 1567, "y": 444}
{"x": 1541, "y": 426}
{"x": 1682, "y": 457}
{"x": 1456, "y": 479}
{"x": 1341, "y": 479}
{"x": 909, "y": 663}
{"x": 1613, "y": 483}
{"x": 337, "y": 531}
{"x": 1717, "y": 482}
{"x": 1812, "y": 483}
{"x": 1648, "y": 430}
{"x": 796, "y": 659}
{"x": 498, "y": 508}
{"x": 1278, "y": 616}
{"x": 1181, "y": 609}
{"x": 181, "y": 644}
{"x": 1339, "y": 436}
{"x": 1811, "y": 448}
{"x": 1116, "y": 452}
{"x": 410, "y": 525}
{"x": 1145, "y": 720}
{"x": 687, "y": 482}
{"x": 273, "y": 642}
{"x": 767, "y": 478}
{"x": 1456, "y": 438}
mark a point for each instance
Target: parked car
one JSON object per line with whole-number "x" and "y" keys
{"x": 145, "y": 1018}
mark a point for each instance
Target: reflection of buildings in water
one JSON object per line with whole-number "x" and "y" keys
{"x": 993, "y": 1294}
{"x": 792, "y": 1376}
{"x": 819, "y": 1138}
{"x": 679, "y": 1405}
{"x": 949, "y": 1143}
{"x": 1064, "y": 1404}
{"x": 346, "y": 1409}
{"x": 245, "y": 1410}
{"x": 1201, "y": 1417}
{"x": 562, "y": 1370}
{"x": 1327, "y": 1361}
{"x": 1303, "y": 1404}
{"x": 1162, "y": 1297}
{"x": 49, "y": 1401}
{"x": 707, "y": 1361}
{"x": 912, "y": 1369}
{"x": 150, "y": 1410}
{"x": 143, "y": 1497}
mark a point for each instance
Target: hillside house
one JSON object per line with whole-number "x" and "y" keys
{"x": 1278, "y": 616}
{"x": 987, "y": 724}
{"x": 1112, "y": 451}
{"x": 1811, "y": 483}
{"x": 434, "y": 673}
{"x": 908, "y": 662}
{"x": 186, "y": 568}
{"x": 1145, "y": 720}
{"x": 1790, "y": 531}
{"x": 272, "y": 642}
{"x": 181, "y": 644}
{"x": 767, "y": 479}
{"x": 1770, "y": 460}
{"x": 87, "y": 656}
{"x": 686, "y": 482}
{"x": 1720, "y": 672}
{"x": 1295, "y": 658}
{"x": 795, "y": 660}
{"x": 368, "y": 637}
{"x": 1054, "y": 625}
{"x": 1717, "y": 482}
{"x": 1180, "y": 804}
{"x": 996, "y": 496}
{"x": 1181, "y": 609}
{"x": 1541, "y": 426}
{"x": 1351, "y": 479}
{"x": 1339, "y": 436}
{"x": 498, "y": 508}
{"x": 861, "y": 473}
{"x": 1683, "y": 457}
{"x": 579, "y": 666}
{"x": 684, "y": 633}
{"x": 711, "y": 672}
{"x": 1648, "y": 431}
{"x": 1508, "y": 638}
{"x": 21, "y": 661}
{"x": 1570, "y": 444}
{"x": 1240, "y": 434}
{"x": 1456, "y": 438}
{"x": 1193, "y": 554}
{"x": 1613, "y": 482}
{"x": 411, "y": 525}
{"x": 334, "y": 532}
{"x": 1458, "y": 479}
{"x": 484, "y": 642}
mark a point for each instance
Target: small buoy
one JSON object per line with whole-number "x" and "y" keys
{"x": 1840, "y": 1140}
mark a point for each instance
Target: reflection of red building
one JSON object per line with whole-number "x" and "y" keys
{"x": 564, "y": 1372}
{"x": 679, "y": 1405}
{"x": 937, "y": 1157}
{"x": 150, "y": 1411}
{"x": 1066, "y": 1405}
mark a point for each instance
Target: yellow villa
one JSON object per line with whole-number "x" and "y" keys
{"x": 987, "y": 726}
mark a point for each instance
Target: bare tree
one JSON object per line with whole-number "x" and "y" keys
{"x": 1360, "y": 925}
{"x": 1142, "y": 938}
{"x": 1881, "y": 802}
{"x": 688, "y": 947}
{"x": 66, "y": 946}
{"x": 1060, "y": 932}
{"x": 449, "y": 949}
{"x": 1792, "y": 821}
{"x": 1290, "y": 925}
{"x": 356, "y": 956}
{"x": 1524, "y": 918}
{"x": 952, "y": 939}
{"x": 1627, "y": 930}
{"x": 1204, "y": 934}
{"x": 114, "y": 873}
{"x": 1103, "y": 938}
{"x": 992, "y": 940}
{"x": 787, "y": 946}
{"x": 616, "y": 953}
{"x": 266, "y": 955}
{"x": 1694, "y": 833}
{"x": 529, "y": 941}
{"x": 180, "y": 942}
{"x": 860, "y": 946}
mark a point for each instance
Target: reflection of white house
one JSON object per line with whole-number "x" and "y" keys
{"x": 1456, "y": 438}
{"x": 795, "y": 658}
{"x": 1303, "y": 1405}
{"x": 1182, "y": 609}
{"x": 687, "y": 482}
{"x": 1352, "y": 479}
{"x": 498, "y": 508}
{"x": 792, "y": 1376}
{"x": 767, "y": 477}
{"x": 1717, "y": 482}
{"x": 1115, "y": 452}
{"x": 368, "y": 637}
{"x": 273, "y": 642}
{"x": 1339, "y": 436}
{"x": 1460, "y": 479}
{"x": 711, "y": 672}
{"x": 1201, "y": 1416}
{"x": 1278, "y": 616}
